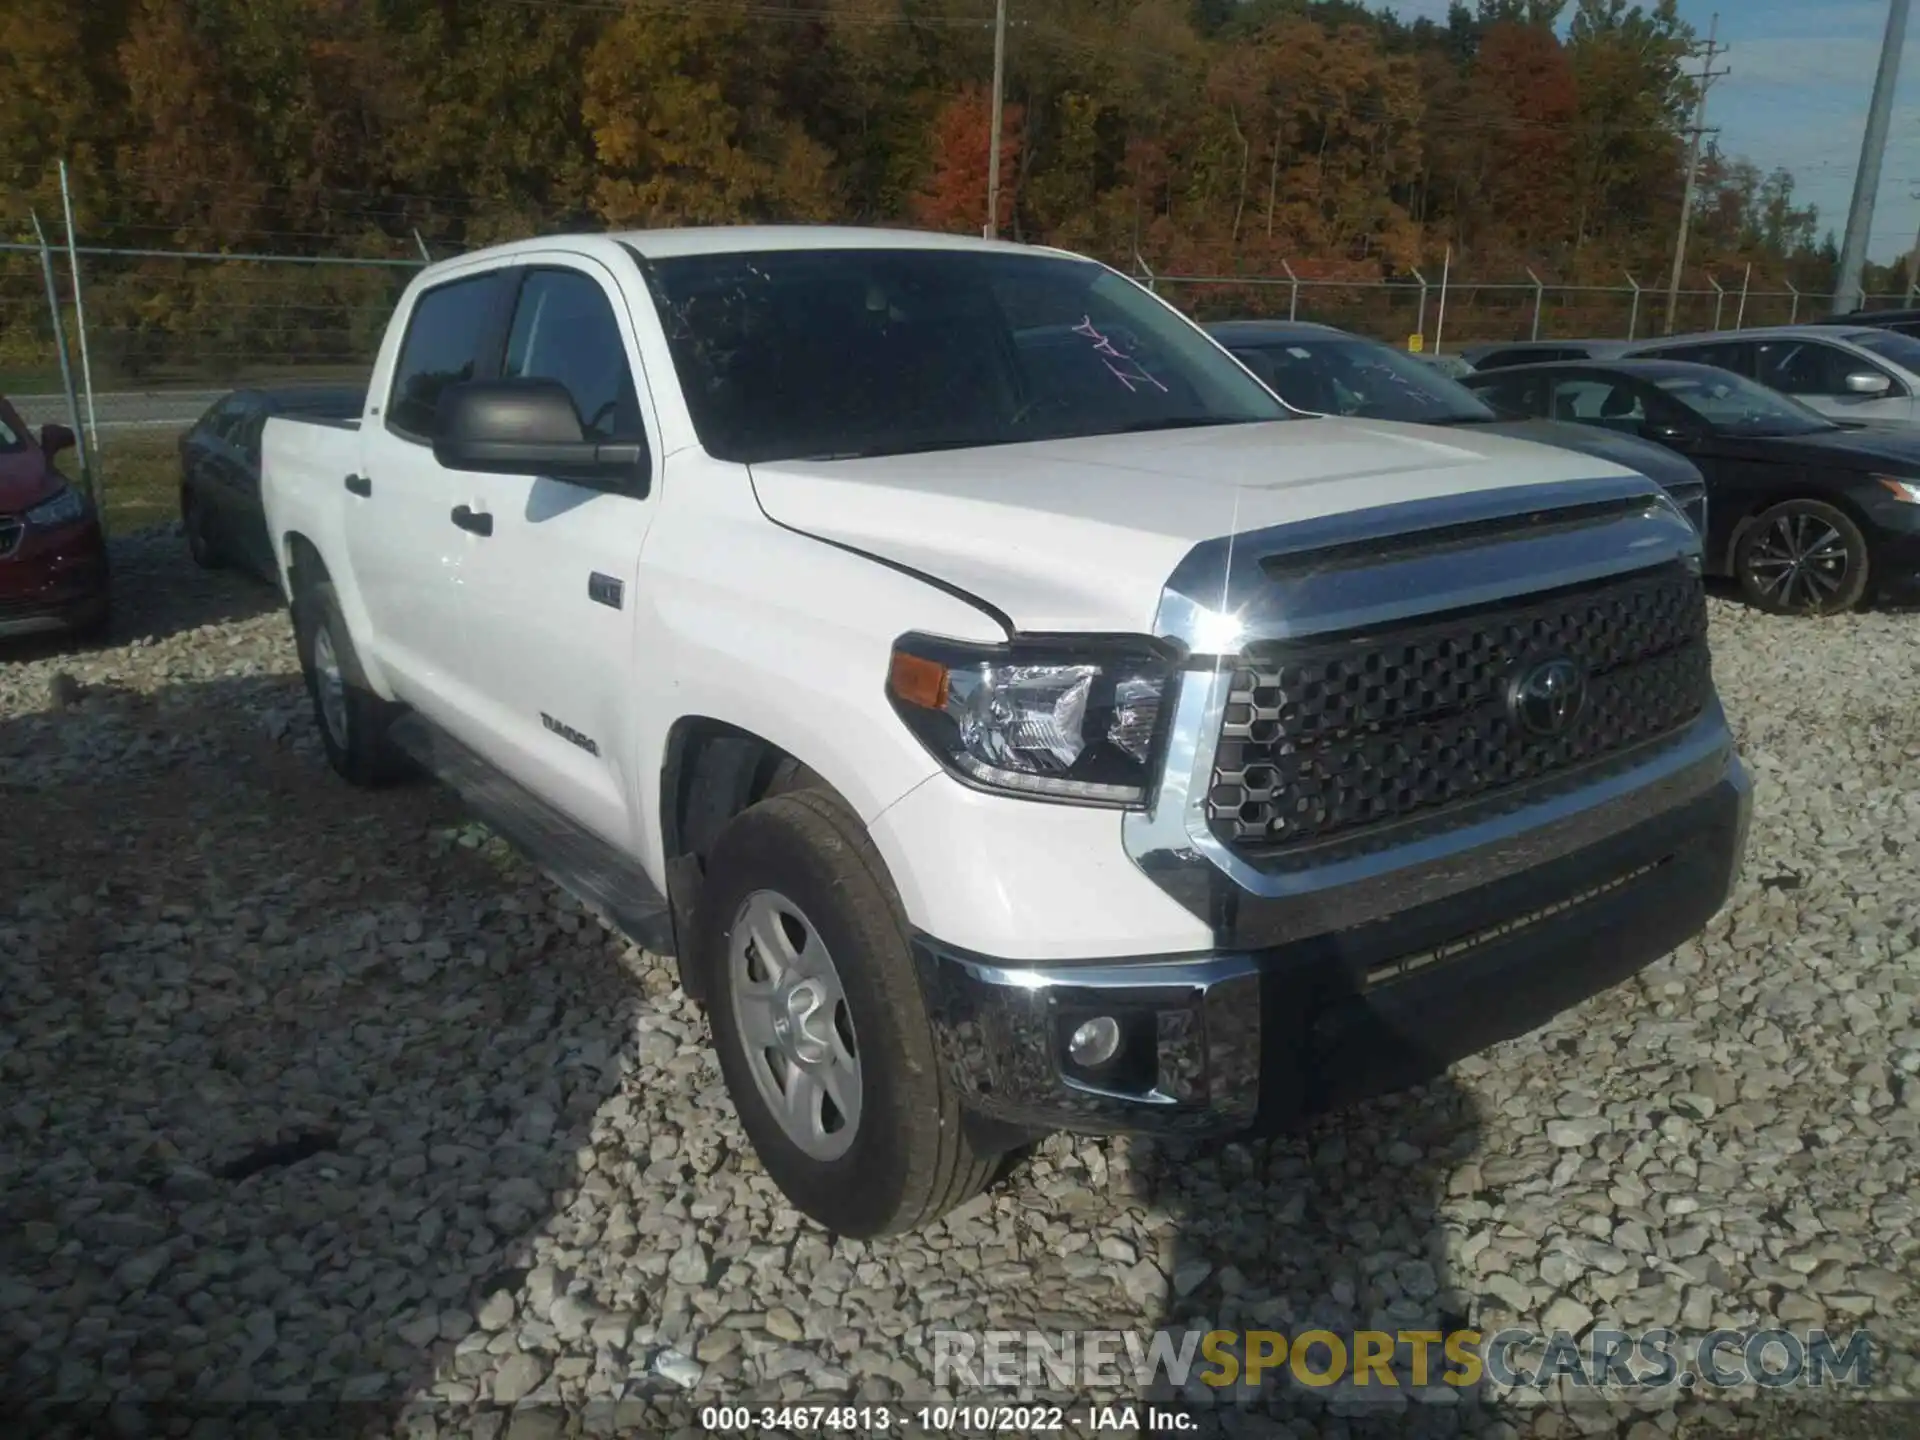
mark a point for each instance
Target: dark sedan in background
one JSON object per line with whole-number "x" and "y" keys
{"x": 1809, "y": 516}
{"x": 1332, "y": 372}
{"x": 220, "y": 471}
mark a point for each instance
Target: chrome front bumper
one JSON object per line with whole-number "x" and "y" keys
{"x": 1256, "y": 1040}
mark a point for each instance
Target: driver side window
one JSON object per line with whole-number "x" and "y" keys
{"x": 1799, "y": 367}
{"x": 564, "y": 330}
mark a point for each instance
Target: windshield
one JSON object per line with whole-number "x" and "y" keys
{"x": 1347, "y": 376}
{"x": 1737, "y": 406}
{"x": 840, "y": 354}
{"x": 1903, "y": 350}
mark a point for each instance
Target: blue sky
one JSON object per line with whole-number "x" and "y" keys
{"x": 1801, "y": 77}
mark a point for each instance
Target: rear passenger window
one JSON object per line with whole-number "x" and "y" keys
{"x": 1514, "y": 395}
{"x": 440, "y": 349}
{"x": 564, "y": 329}
{"x": 1723, "y": 354}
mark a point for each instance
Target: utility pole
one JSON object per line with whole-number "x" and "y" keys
{"x": 1873, "y": 149}
{"x": 992, "y": 229}
{"x": 1707, "y": 76}
{"x": 1913, "y": 259}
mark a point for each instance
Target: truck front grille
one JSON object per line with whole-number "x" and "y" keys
{"x": 1330, "y": 739}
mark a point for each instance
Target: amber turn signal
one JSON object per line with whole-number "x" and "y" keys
{"x": 918, "y": 681}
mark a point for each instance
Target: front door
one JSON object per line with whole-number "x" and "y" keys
{"x": 1817, "y": 374}
{"x": 551, "y": 590}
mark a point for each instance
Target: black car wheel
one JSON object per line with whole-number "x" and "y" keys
{"x": 1802, "y": 557}
{"x": 203, "y": 544}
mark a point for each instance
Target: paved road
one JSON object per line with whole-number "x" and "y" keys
{"x": 137, "y": 409}
{"x": 123, "y": 409}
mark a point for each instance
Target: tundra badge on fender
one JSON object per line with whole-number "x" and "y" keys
{"x": 568, "y": 733}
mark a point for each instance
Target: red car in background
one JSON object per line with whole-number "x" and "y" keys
{"x": 53, "y": 556}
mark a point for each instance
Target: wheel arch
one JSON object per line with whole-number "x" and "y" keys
{"x": 1760, "y": 505}
{"x": 710, "y": 771}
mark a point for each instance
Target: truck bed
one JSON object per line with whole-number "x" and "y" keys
{"x": 304, "y": 460}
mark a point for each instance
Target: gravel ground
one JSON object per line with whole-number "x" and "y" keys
{"x": 312, "y": 1098}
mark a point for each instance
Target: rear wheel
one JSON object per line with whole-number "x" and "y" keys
{"x": 821, "y": 1030}
{"x": 354, "y": 722}
{"x": 1803, "y": 557}
{"x": 203, "y": 541}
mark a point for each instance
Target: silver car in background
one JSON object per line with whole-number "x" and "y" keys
{"x": 1864, "y": 376}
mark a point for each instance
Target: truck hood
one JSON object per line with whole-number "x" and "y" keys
{"x": 1656, "y": 462}
{"x": 1082, "y": 535}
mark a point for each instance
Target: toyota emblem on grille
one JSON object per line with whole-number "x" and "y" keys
{"x": 1546, "y": 698}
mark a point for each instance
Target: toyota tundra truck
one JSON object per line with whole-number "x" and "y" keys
{"x": 1008, "y": 714}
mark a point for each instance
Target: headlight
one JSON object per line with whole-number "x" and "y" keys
{"x": 1066, "y": 722}
{"x": 1907, "y": 490}
{"x": 64, "y": 508}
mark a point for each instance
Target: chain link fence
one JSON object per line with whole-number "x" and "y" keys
{"x": 1456, "y": 312}
{"x": 130, "y": 345}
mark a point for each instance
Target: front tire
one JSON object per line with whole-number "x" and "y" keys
{"x": 353, "y": 721}
{"x": 1803, "y": 557}
{"x": 820, "y": 1026}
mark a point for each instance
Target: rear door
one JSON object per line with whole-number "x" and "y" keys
{"x": 405, "y": 549}
{"x": 551, "y": 592}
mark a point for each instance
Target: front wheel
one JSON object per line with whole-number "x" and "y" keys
{"x": 821, "y": 1030}
{"x": 1803, "y": 557}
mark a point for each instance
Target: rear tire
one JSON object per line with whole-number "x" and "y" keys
{"x": 353, "y": 721}
{"x": 1803, "y": 557}
{"x": 203, "y": 541}
{"x": 805, "y": 952}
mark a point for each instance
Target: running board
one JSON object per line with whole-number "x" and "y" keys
{"x": 579, "y": 862}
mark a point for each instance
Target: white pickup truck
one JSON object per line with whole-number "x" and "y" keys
{"x": 1009, "y": 713}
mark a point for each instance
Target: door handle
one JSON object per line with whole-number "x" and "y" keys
{"x": 359, "y": 485}
{"x": 472, "y": 521}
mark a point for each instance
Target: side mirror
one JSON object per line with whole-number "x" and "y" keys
{"x": 54, "y": 439}
{"x": 1868, "y": 382}
{"x": 529, "y": 427}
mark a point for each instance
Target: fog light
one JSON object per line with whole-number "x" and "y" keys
{"x": 1095, "y": 1042}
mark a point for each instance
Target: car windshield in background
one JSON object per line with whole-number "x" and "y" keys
{"x": 843, "y": 354}
{"x": 1740, "y": 407}
{"x": 1363, "y": 379}
{"x": 1903, "y": 350}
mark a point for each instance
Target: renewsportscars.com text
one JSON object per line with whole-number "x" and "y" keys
{"x": 1602, "y": 1359}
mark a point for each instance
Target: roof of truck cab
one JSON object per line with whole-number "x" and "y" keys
{"x": 669, "y": 243}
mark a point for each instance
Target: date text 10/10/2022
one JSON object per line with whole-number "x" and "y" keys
{"x": 936, "y": 1419}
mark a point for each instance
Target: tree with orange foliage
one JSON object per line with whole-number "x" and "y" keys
{"x": 955, "y": 195}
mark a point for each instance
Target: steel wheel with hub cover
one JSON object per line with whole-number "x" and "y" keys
{"x": 819, "y": 1023}
{"x": 1803, "y": 557}
{"x": 353, "y": 720}
{"x": 790, "y": 1011}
